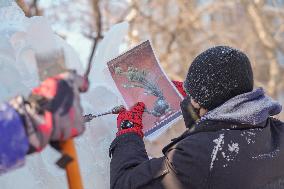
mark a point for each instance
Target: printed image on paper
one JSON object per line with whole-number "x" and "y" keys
{"x": 139, "y": 78}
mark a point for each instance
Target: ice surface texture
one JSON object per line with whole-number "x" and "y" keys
{"x": 19, "y": 41}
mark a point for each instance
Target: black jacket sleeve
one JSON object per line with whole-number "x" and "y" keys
{"x": 130, "y": 166}
{"x": 184, "y": 165}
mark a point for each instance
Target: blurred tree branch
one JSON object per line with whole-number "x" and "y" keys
{"x": 268, "y": 42}
{"x": 30, "y": 10}
{"x": 98, "y": 23}
{"x": 23, "y": 6}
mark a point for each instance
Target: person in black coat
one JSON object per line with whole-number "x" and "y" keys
{"x": 234, "y": 143}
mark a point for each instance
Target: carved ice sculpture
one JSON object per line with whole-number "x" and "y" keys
{"x": 17, "y": 49}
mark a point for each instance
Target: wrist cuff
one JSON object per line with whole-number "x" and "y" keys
{"x": 131, "y": 130}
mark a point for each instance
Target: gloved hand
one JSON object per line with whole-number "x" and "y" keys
{"x": 52, "y": 111}
{"x": 179, "y": 86}
{"x": 131, "y": 121}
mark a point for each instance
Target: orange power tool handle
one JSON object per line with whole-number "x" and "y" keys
{"x": 72, "y": 168}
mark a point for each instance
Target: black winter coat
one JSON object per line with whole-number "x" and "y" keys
{"x": 217, "y": 155}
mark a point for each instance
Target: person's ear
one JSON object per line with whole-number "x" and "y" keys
{"x": 188, "y": 112}
{"x": 202, "y": 111}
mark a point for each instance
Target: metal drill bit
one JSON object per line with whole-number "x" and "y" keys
{"x": 115, "y": 110}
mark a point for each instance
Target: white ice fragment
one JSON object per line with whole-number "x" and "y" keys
{"x": 233, "y": 147}
{"x": 249, "y": 136}
{"x": 219, "y": 142}
{"x": 269, "y": 155}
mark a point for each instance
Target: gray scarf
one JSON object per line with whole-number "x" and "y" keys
{"x": 248, "y": 108}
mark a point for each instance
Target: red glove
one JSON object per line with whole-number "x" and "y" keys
{"x": 53, "y": 111}
{"x": 131, "y": 121}
{"x": 179, "y": 86}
